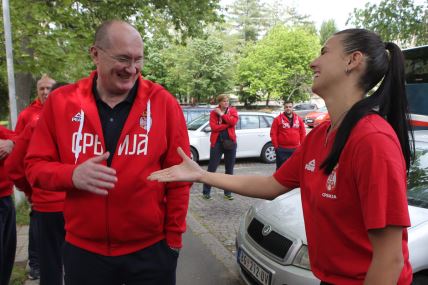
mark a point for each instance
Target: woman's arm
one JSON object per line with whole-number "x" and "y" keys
{"x": 231, "y": 117}
{"x": 215, "y": 127}
{"x": 387, "y": 261}
{"x": 265, "y": 187}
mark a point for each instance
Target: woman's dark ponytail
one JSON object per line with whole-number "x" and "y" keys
{"x": 389, "y": 100}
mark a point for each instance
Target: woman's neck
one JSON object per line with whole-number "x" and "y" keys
{"x": 339, "y": 105}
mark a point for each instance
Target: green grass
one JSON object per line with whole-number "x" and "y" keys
{"x": 18, "y": 275}
{"x": 23, "y": 213}
{"x": 4, "y": 123}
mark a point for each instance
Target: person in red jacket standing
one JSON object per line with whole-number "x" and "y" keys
{"x": 7, "y": 211}
{"x": 287, "y": 133}
{"x": 47, "y": 213}
{"x": 223, "y": 121}
{"x": 101, "y": 138}
{"x": 32, "y": 112}
{"x": 28, "y": 116}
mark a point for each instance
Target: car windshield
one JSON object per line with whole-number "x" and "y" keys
{"x": 322, "y": 109}
{"x": 198, "y": 122}
{"x": 417, "y": 181}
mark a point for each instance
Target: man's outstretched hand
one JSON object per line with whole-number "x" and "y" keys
{"x": 188, "y": 170}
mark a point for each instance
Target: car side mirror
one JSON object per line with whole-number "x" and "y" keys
{"x": 207, "y": 129}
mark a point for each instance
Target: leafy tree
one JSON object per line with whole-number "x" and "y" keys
{"x": 54, "y": 36}
{"x": 401, "y": 21}
{"x": 249, "y": 18}
{"x": 277, "y": 67}
{"x": 198, "y": 71}
{"x": 328, "y": 28}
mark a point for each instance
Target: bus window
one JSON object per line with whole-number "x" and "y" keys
{"x": 416, "y": 68}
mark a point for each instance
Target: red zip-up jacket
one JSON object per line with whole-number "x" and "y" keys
{"x": 137, "y": 212}
{"x": 6, "y": 186}
{"x": 41, "y": 200}
{"x": 28, "y": 115}
{"x": 227, "y": 121}
{"x": 284, "y": 135}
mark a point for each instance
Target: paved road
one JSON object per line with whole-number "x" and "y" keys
{"x": 221, "y": 217}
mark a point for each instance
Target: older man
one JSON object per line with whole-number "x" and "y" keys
{"x": 32, "y": 112}
{"x": 29, "y": 116}
{"x": 102, "y": 136}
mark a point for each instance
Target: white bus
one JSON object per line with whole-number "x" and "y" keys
{"x": 416, "y": 68}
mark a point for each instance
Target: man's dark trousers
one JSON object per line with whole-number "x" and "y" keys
{"x": 154, "y": 265}
{"x": 7, "y": 238}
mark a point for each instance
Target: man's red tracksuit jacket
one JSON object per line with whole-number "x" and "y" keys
{"x": 286, "y": 135}
{"x": 137, "y": 212}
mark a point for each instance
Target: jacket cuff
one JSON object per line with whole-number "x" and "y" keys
{"x": 65, "y": 179}
{"x": 174, "y": 239}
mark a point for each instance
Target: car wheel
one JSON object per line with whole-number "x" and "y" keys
{"x": 420, "y": 279}
{"x": 194, "y": 154}
{"x": 268, "y": 153}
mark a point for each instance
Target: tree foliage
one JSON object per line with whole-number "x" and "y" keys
{"x": 277, "y": 67}
{"x": 249, "y": 18}
{"x": 328, "y": 28}
{"x": 54, "y": 36}
{"x": 197, "y": 71}
{"x": 400, "y": 21}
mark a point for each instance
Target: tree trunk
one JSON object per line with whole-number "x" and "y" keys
{"x": 24, "y": 88}
{"x": 267, "y": 99}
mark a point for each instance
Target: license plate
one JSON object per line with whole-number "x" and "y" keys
{"x": 258, "y": 272}
{"x": 309, "y": 121}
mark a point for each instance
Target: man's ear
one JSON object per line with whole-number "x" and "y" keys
{"x": 93, "y": 51}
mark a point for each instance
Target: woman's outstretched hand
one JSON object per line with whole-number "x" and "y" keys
{"x": 188, "y": 170}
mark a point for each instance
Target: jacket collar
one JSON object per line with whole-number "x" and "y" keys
{"x": 145, "y": 91}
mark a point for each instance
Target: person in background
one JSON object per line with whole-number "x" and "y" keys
{"x": 47, "y": 210}
{"x": 7, "y": 210}
{"x": 351, "y": 171}
{"x": 32, "y": 112}
{"x": 287, "y": 133}
{"x": 26, "y": 117}
{"x": 223, "y": 121}
{"x": 101, "y": 137}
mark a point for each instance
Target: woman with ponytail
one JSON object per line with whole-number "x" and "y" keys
{"x": 351, "y": 171}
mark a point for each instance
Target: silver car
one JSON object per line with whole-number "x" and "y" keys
{"x": 271, "y": 240}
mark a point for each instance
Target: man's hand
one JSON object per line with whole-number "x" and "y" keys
{"x": 94, "y": 177}
{"x": 6, "y": 147}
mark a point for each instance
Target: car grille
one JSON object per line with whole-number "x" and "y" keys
{"x": 273, "y": 242}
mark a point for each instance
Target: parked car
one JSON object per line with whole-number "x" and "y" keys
{"x": 191, "y": 113}
{"x": 321, "y": 119}
{"x": 302, "y": 109}
{"x": 312, "y": 116}
{"x": 281, "y": 256}
{"x": 252, "y": 132}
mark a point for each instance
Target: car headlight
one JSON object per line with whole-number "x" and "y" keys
{"x": 249, "y": 216}
{"x": 320, "y": 117}
{"x": 302, "y": 258}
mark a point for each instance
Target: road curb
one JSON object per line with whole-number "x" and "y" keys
{"x": 214, "y": 245}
